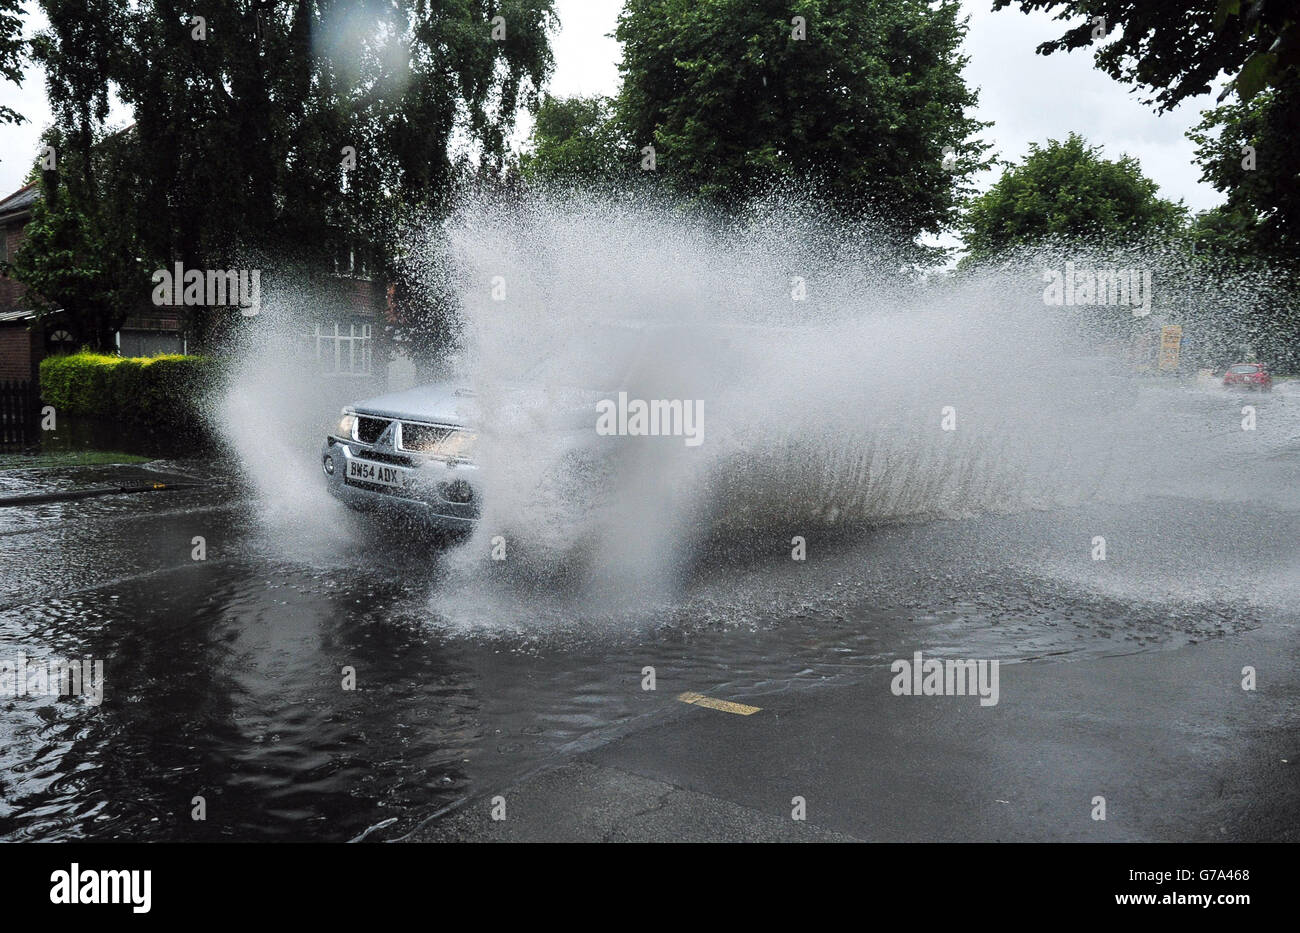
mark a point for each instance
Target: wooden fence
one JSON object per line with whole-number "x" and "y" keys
{"x": 19, "y": 412}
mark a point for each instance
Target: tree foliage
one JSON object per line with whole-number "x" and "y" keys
{"x": 12, "y": 51}
{"x": 576, "y": 138}
{"x": 1247, "y": 150}
{"x": 1066, "y": 191}
{"x": 293, "y": 127}
{"x": 1178, "y": 49}
{"x": 864, "y": 106}
{"x": 81, "y": 255}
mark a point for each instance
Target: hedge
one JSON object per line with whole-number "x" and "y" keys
{"x": 162, "y": 392}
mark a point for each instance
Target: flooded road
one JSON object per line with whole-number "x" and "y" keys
{"x": 227, "y": 677}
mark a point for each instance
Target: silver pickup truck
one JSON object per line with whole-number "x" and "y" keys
{"x": 419, "y": 452}
{"x": 411, "y": 452}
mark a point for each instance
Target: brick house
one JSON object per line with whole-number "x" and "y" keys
{"x": 147, "y": 334}
{"x": 342, "y": 338}
{"x": 21, "y": 344}
{"x": 345, "y": 334}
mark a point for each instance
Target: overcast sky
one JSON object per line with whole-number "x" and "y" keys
{"x": 1028, "y": 97}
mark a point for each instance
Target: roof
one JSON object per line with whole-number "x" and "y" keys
{"x": 21, "y": 201}
{"x": 8, "y": 317}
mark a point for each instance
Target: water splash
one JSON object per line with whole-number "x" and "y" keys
{"x": 841, "y": 389}
{"x": 837, "y": 388}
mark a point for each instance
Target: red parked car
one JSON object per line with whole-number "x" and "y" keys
{"x": 1248, "y": 376}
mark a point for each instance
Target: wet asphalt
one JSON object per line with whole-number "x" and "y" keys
{"x": 474, "y": 698}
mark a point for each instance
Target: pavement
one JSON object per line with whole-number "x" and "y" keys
{"x": 1177, "y": 748}
{"x": 1131, "y": 691}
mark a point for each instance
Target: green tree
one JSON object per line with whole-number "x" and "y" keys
{"x": 1247, "y": 151}
{"x": 867, "y": 102}
{"x": 1222, "y": 234}
{"x": 1066, "y": 191}
{"x": 80, "y": 253}
{"x": 576, "y": 138}
{"x": 291, "y": 128}
{"x": 1178, "y": 49}
{"x": 12, "y": 51}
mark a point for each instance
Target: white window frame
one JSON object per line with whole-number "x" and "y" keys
{"x": 353, "y": 267}
{"x": 340, "y": 352}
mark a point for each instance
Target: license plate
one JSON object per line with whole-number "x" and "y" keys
{"x": 378, "y": 473}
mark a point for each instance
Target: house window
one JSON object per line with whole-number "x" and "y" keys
{"x": 351, "y": 262}
{"x": 342, "y": 349}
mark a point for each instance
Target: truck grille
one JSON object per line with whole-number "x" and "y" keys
{"x": 423, "y": 437}
{"x": 369, "y": 429}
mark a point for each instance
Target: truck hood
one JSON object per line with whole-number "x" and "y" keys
{"x": 454, "y": 402}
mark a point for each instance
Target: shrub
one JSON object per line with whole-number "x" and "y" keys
{"x": 155, "y": 393}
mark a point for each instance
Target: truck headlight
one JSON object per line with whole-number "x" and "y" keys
{"x": 458, "y": 445}
{"x": 347, "y": 424}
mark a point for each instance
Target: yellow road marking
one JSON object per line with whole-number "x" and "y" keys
{"x": 699, "y": 699}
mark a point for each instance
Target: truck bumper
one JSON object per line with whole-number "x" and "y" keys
{"x": 436, "y": 493}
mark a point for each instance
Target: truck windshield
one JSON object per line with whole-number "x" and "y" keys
{"x": 593, "y": 359}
